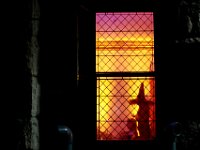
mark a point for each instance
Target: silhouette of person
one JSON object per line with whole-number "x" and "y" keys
{"x": 132, "y": 126}
{"x": 142, "y": 115}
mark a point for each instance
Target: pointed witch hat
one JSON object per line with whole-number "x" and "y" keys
{"x": 140, "y": 96}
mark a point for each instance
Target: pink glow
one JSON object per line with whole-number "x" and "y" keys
{"x": 132, "y": 21}
{"x": 124, "y": 43}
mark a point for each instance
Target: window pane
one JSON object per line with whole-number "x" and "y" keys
{"x": 124, "y": 42}
{"x": 125, "y": 105}
{"x": 123, "y": 101}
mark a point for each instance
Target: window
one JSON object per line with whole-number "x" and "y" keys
{"x": 125, "y": 76}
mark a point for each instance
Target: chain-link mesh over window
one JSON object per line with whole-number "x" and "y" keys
{"x": 125, "y": 76}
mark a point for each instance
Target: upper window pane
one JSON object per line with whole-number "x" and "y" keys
{"x": 126, "y": 101}
{"x": 124, "y": 42}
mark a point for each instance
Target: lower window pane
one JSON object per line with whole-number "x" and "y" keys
{"x": 126, "y": 108}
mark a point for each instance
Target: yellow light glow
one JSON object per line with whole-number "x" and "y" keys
{"x": 122, "y": 51}
{"x": 102, "y": 107}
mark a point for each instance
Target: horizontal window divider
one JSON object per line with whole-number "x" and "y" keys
{"x": 125, "y": 74}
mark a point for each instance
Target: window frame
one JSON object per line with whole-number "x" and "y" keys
{"x": 133, "y": 74}
{"x": 87, "y": 49}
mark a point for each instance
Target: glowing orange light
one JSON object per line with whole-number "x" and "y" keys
{"x": 121, "y": 51}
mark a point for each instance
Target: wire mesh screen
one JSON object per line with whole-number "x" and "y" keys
{"x": 124, "y": 41}
{"x": 125, "y": 103}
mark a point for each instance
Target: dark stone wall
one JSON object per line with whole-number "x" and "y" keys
{"x": 15, "y": 85}
{"x": 62, "y": 102}
{"x": 176, "y": 71}
{"x": 59, "y": 105}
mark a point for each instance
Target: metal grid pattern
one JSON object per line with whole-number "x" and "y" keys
{"x": 124, "y": 42}
{"x": 125, "y": 103}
